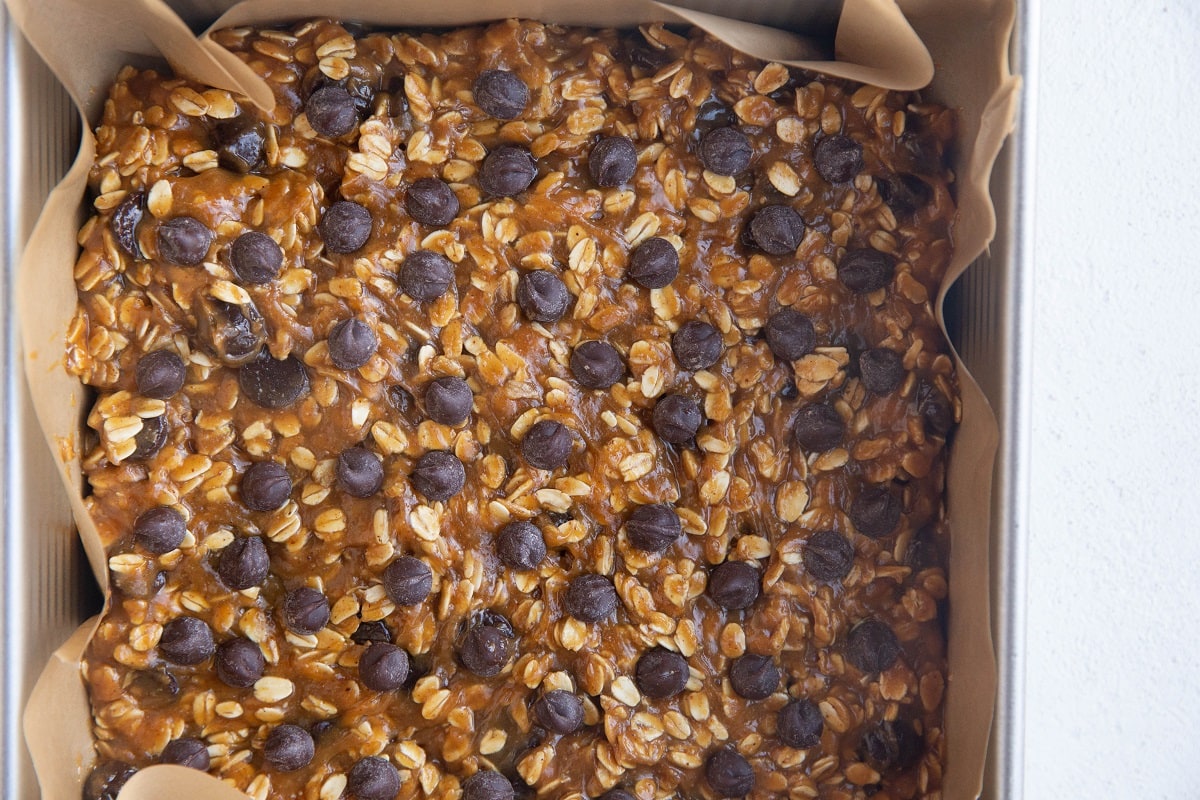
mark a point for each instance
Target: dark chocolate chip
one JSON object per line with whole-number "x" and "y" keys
{"x": 617, "y": 794}
{"x": 408, "y": 581}
{"x": 653, "y": 528}
{"x": 244, "y": 563}
{"x": 559, "y": 711}
{"x": 106, "y": 780}
{"x": 487, "y": 785}
{"x": 754, "y": 677}
{"x": 590, "y": 598}
{"x": 881, "y": 370}
{"x": 125, "y": 220}
{"x": 186, "y": 641}
{"x": 373, "y": 631}
{"x": 184, "y": 241}
{"x": 790, "y": 334}
{"x": 661, "y": 673}
{"x": 351, "y": 344}
{"x": 500, "y": 94}
{"x": 613, "y": 161}
{"x": 359, "y": 472}
{"x": 597, "y": 365}
{"x": 186, "y": 752}
{"x": 331, "y": 112}
{"x": 485, "y": 650}
{"x": 266, "y": 486}
{"x": 506, "y": 171}
{"x": 800, "y": 724}
{"x": 425, "y": 275}
{"x": 255, "y": 258}
{"x": 305, "y": 610}
{"x": 777, "y": 230}
{"x": 866, "y": 270}
{"x": 160, "y": 374}
{"x": 159, "y": 530}
{"x": 654, "y": 263}
{"x": 905, "y": 194}
{"x": 838, "y": 158}
{"x": 401, "y": 399}
{"x": 319, "y": 729}
{"x": 521, "y": 545}
{"x": 729, "y": 773}
{"x": 383, "y": 667}
{"x": 891, "y": 746}
{"x": 828, "y": 556}
{"x": 234, "y": 333}
{"x": 697, "y": 345}
{"x": 438, "y": 475}
{"x": 150, "y": 439}
{"x": 936, "y": 410}
{"x": 542, "y": 295}
{"x": 240, "y": 663}
{"x": 431, "y": 201}
{"x": 240, "y": 143}
{"x": 677, "y": 418}
{"x": 871, "y": 646}
{"x": 448, "y": 400}
{"x": 818, "y": 427}
{"x": 288, "y": 748}
{"x": 273, "y": 384}
{"x": 373, "y": 778}
{"x": 875, "y": 511}
{"x": 726, "y": 151}
{"x": 345, "y": 227}
{"x": 734, "y": 585}
{"x": 547, "y": 445}
{"x": 155, "y": 681}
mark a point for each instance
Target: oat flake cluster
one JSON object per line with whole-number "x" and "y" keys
{"x": 518, "y": 411}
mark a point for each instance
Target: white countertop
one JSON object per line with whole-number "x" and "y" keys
{"x": 1113, "y": 696}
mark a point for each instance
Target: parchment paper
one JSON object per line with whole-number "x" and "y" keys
{"x": 878, "y": 41}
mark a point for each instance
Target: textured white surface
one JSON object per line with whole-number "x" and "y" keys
{"x": 1113, "y": 691}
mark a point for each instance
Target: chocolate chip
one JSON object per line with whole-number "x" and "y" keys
{"x": 613, "y": 161}
{"x": 373, "y": 778}
{"x": 891, "y": 745}
{"x": 800, "y": 724}
{"x": 305, "y": 611}
{"x": 559, "y": 711}
{"x": 818, "y": 427}
{"x": 754, "y": 677}
{"x": 734, "y": 585}
{"x": 359, "y": 472}
{"x": 400, "y": 398}
{"x": 160, "y": 374}
{"x": 485, "y": 650}
{"x": 288, "y": 748}
{"x": 653, "y": 528}
{"x": 345, "y": 227}
{"x": 936, "y": 410}
{"x": 240, "y": 143}
{"x": 125, "y": 220}
{"x": 150, "y": 439}
{"x": 234, "y": 333}
{"x": 881, "y": 370}
{"x": 654, "y": 263}
{"x": 905, "y": 194}
{"x": 777, "y": 230}
{"x": 506, "y": 171}
{"x": 431, "y": 201}
{"x": 790, "y": 334}
{"x": 273, "y": 384}
{"x": 871, "y": 646}
{"x": 255, "y": 258}
{"x": 828, "y": 556}
{"x": 184, "y": 241}
{"x": 159, "y": 530}
{"x": 547, "y": 445}
{"x": 697, "y": 345}
{"x": 265, "y": 486}
{"x": 597, "y": 365}
{"x": 351, "y": 344}
{"x": 186, "y": 752}
{"x": 373, "y": 631}
{"x": 520, "y": 545}
{"x": 661, "y": 673}
{"x": 487, "y": 785}
{"x": 789, "y": 390}
{"x": 617, "y": 794}
{"x": 590, "y": 598}
{"x": 186, "y": 641}
{"x": 726, "y": 151}
{"x": 500, "y": 94}
{"x": 408, "y": 581}
{"x": 240, "y": 663}
{"x": 438, "y": 475}
{"x": 677, "y": 418}
{"x": 425, "y": 275}
{"x": 106, "y": 780}
{"x": 875, "y": 511}
{"x": 331, "y": 112}
{"x": 383, "y": 667}
{"x": 244, "y": 563}
{"x": 729, "y": 773}
{"x": 448, "y": 400}
{"x": 838, "y": 158}
{"x": 542, "y": 295}
{"x": 319, "y": 729}
{"x": 866, "y": 270}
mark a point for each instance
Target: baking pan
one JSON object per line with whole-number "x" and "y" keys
{"x": 47, "y": 591}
